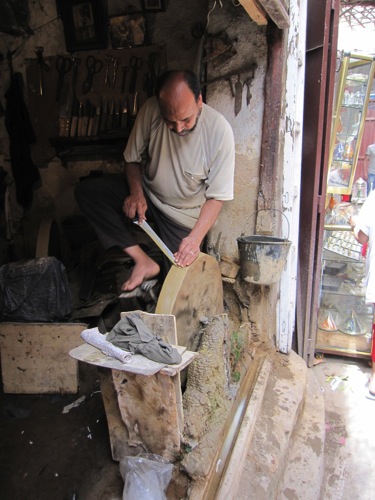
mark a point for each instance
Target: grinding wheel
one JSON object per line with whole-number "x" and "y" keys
{"x": 190, "y": 294}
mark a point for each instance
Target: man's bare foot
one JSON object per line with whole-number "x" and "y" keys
{"x": 143, "y": 270}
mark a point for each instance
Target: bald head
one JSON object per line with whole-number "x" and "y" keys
{"x": 180, "y": 100}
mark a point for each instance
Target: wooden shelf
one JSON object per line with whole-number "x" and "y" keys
{"x": 341, "y": 343}
{"x": 104, "y": 146}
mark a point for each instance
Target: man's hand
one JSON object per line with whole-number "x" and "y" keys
{"x": 134, "y": 206}
{"x": 188, "y": 251}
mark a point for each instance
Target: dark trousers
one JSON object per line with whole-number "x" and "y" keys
{"x": 101, "y": 202}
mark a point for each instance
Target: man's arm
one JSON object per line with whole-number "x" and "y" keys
{"x": 190, "y": 246}
{"x": 135, "y": 204}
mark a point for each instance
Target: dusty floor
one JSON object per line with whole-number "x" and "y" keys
{"x": 46, "y": 453}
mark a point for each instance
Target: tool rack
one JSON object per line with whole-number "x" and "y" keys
{"x": 110, "y": 88}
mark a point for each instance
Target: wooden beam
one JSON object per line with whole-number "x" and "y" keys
{"x": 277, "y": 11}
{"x": 254, "y": 11}
{"x": 258, "y": 10}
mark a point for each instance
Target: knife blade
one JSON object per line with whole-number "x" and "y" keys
{"x": 111, "y": 114}
{"x": 90, "y": 127}
{"x": 65, "y": 110}
{"x": 74, "y": 121}
{"x": 238, "y": 95}
{"x": 116, "y": 119}
{"x": 95, "y": 128}
{"x": 85, "y": 117}
{"x": 103, "y": 118}
{"x": 160, "y": 244}
{"x": 124, "y": 113}
{"x": 80, "y": 119}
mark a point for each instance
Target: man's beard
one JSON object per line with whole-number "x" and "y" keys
{"x": 188, "y": 131}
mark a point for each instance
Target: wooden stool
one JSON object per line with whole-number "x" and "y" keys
{"x": 142, "y": 399}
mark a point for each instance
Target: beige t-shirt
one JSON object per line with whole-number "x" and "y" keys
{"x": 181, "y": 173}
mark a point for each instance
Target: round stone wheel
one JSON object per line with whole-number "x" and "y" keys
{"x": 190, "y": 294}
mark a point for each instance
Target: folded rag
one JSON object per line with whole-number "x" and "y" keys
{"x": 132, "y": 334}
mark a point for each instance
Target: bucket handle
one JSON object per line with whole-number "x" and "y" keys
{"x": 267, "y": 210}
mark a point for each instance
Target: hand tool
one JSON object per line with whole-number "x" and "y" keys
{"x": 124, "y": 114}
{"x": 76, "y": 63}
{"x": 125, "y": 71}
{"x": 117, "y": 119}
{"x": 103, "y": 116}
{"x": 90, "y": 126}
{"x": 160, "y": 244}
{"x": 107, "y": 82}
{"x": 247, "y": 82}
{"x": 135, "y": 105}
{"x": 95, "y": 128}
{"x": 63, "y": 66}
{"x": 111, "y": 114}
{"x": 80, "y": 120}
{"x": 150, "y": 77}
{"x": 94, "y": 66}
{"x": 136, "y": 64}
{"x": 86, "y": 117}
{"x": 238, "y": 95}
{"x": 74, "y": 121}
{"x": 65, "y": 112}
{"x": 43, "y": 66}
{"x": 114, "y": 74}
{"x": 229, "y": 80}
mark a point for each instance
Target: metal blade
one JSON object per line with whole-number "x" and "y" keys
{"x": 163, "y": 247}
{"x": 238, "y": 96}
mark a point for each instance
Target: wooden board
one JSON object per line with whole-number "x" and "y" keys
{"x": 138, "y": 365}
{"x": 35, "y": 357}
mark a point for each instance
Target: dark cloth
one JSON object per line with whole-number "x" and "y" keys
{"x": 21, "y": 135}
{"x": 131, "y": 334}
{"x": 101, "y": 201}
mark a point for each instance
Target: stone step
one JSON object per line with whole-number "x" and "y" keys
{"x": 303, "y": 476}
{"x": 267, "y": 456}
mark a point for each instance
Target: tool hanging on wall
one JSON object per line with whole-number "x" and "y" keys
{"x": 63, "y": 66}
{"x": 43, "y": 66}
{"x": 94, "y": 66}
{"x": 125, "y": 71}
{"x": 247, "y": 82}
{"x": 238, "y": 95}
{"x": 136, "y": 64}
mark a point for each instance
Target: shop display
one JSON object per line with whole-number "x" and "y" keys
{"x": 352, "y": 96}
{"x": 344, "y": 319}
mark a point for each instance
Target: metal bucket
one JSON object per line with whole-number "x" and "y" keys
{"x": 262, "y": 258}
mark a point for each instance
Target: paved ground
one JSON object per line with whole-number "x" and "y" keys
{"x": 349, "y": 467}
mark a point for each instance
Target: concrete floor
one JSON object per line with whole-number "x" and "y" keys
{"x": 349, "y": 462}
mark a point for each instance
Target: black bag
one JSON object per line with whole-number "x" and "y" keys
{"x": 34, "y": 290}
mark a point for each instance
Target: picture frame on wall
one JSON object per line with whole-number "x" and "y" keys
{"x": 127, "y": 31}
{"x": 84, "y": 23}
{"x": 153, "y": 5}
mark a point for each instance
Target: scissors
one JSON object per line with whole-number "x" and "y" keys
{"x": 136, "y": 64}
{"x": 94, "y": 66}
{"x": 63, "y": 66}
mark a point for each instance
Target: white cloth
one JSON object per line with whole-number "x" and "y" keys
{"x": 181, "y": 173}
{"x": 366, "y": 223}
